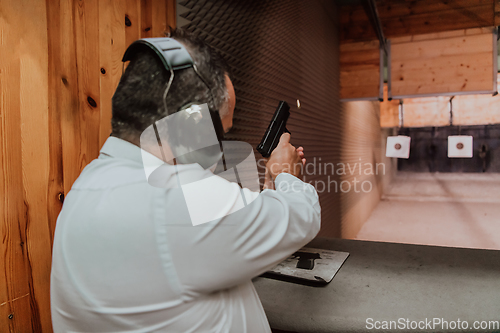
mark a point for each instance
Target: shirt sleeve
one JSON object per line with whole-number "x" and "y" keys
{"x": 247, "y": 242}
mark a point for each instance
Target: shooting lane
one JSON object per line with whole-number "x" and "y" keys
{"x": 437, "y": 75}
{"x": 61, "y": 62}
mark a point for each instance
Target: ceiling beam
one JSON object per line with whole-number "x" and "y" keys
{"x": 404, "y": 18}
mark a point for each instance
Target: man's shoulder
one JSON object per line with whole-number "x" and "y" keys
{"x": 106, "y": 173}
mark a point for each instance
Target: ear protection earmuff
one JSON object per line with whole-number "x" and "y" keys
{"x": 174, "y": 56}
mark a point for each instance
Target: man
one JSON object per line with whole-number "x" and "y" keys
{"x": 126, "y": 257}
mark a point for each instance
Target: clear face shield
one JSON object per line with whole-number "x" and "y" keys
{"x": 174, "y": 143}
{"x": 185, "y": 137}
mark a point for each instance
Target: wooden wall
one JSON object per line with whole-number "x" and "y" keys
{"x": 443, "y": 63}
{"x": 360, "y": 70}
{"x": 60, "y": 63}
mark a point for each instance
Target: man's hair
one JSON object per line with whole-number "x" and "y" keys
{"x": 138, "y": 99}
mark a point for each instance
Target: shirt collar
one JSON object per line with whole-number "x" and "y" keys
{"x": 116, "y": 147}
{"x": 119, "y": 148}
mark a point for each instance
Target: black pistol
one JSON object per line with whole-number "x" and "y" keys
{"x": 275, "y": 129}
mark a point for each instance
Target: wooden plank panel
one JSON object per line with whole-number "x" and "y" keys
{"x": 476, "y": 109}
{"x": 159, "y": 18}
{"x": 355, "y": 25}
{"x": 85, "y": 145}
{"x": 154, "y": 18}
{"x": 357, "y": 92}
{"x": 359, "y": 70}
{"x": 448, "y": 65}
{"x": 112, "y": 45}
{"x": 56, "y": 182}
{"x": 171, "y": 13}
{"x": 441, "y": 35}
{"x": 68, "y": 95}
{"x": 445, "y": 75}
{"x": 132, "y": 21}
{"x": 36, "y": 163}
{"x": 354, "y": 59}
{"x": 428, "y": 111}
{"x": 360, "y": 77}
{"x": 14, "y": 277}
{"x": 442, "y": 47}
{"x": 25, "y": 165}
{"x": 146, "y": 18}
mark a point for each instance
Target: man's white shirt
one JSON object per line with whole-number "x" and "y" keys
{"x": 127, "y": 258}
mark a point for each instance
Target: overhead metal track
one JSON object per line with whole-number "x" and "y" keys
{"x": 451, "y": 109}
{"x": 495, "y": 60}
{"x": 370, "y": 8}
{"x": 401, "y": 114}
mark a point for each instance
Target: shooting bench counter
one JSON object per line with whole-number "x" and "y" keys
{"x": 388, "y": 281}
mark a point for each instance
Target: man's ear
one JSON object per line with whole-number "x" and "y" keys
{"x": 227, "y": 117}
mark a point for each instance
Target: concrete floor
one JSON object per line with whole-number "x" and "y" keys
{"x": 458, "y": 210}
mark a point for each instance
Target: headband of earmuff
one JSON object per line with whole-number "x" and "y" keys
{"x": 172, "y": 54}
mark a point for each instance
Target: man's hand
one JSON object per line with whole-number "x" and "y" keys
{"x": 286, "y": 158}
